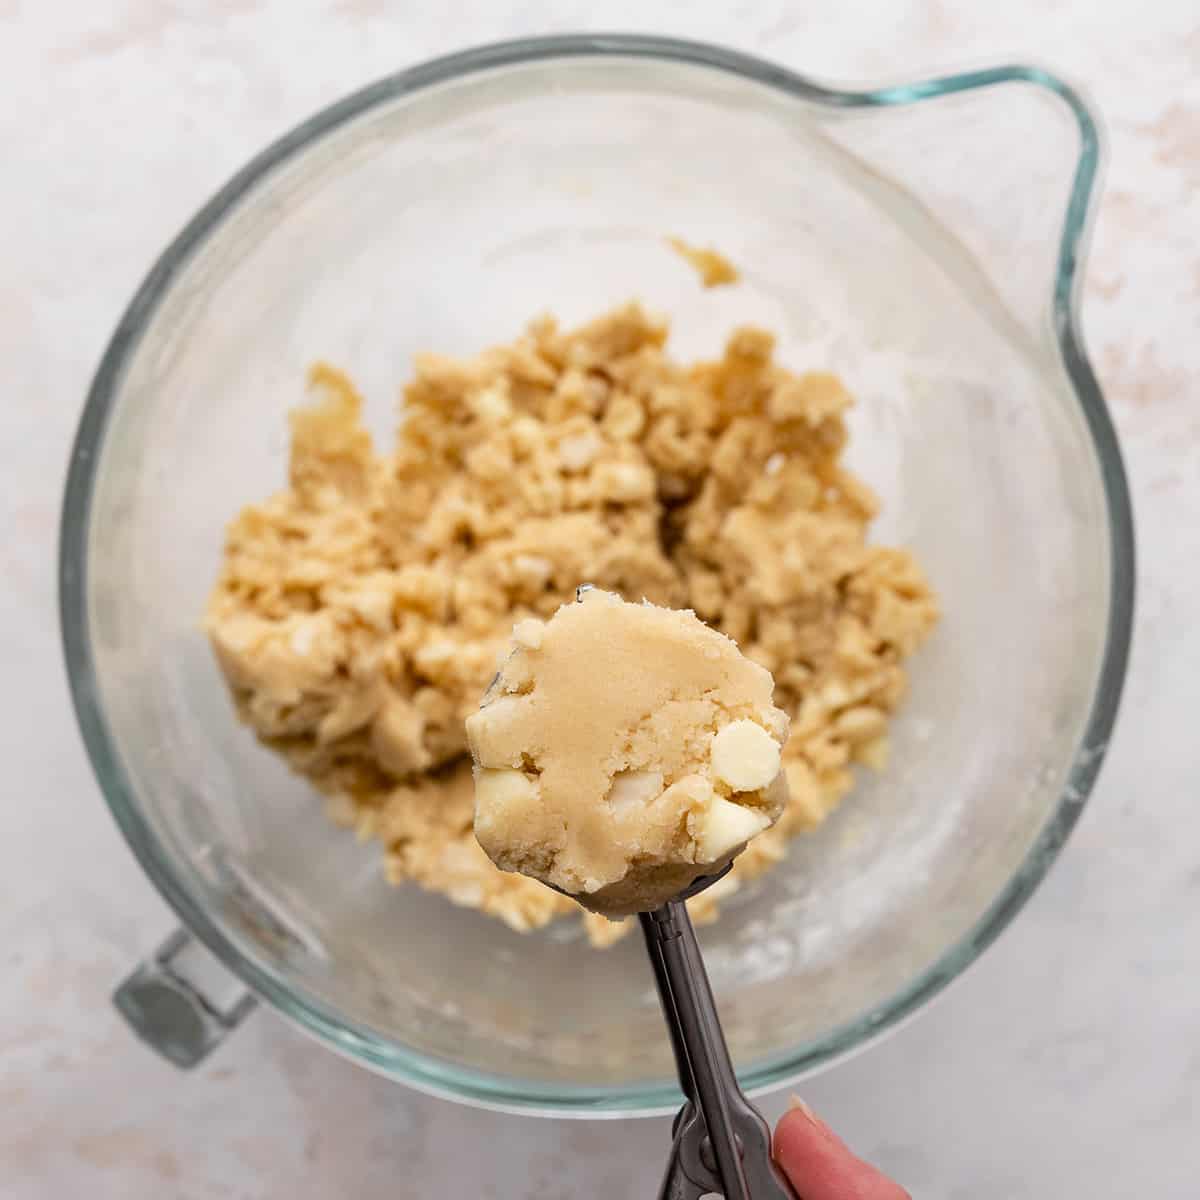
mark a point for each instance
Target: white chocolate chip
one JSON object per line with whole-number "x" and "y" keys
{"x": 861, "y": 724}
{"x": 634, "y": 789}
{"x": 577, "y": 452}
{"x": 745, "y": 756}
{"x": 433, "y": 655}
{"x": 528, "y": 633}
{"x": 491, "y": 405}
{"x": 372, "y": 604}
{"x": 532, "y": 570}
{"x": 502, "y": 797}
{"x": 624, "y": 483}
{"x": 725, "y": 827}
{"x": 303, "y": 637}
{"x": 689, "y": 794}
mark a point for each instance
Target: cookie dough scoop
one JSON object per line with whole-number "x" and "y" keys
{"x": 624, "y": 751}
{"x": 624, "y": 755}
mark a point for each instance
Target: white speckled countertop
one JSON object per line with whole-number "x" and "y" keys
{"x": 1065, "y": 1064}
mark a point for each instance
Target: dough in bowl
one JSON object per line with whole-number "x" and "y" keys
{"x": 360, "y": 611}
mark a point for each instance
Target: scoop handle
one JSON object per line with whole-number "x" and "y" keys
{"x": 730, "y": 1146}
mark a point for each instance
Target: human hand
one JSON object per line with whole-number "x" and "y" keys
{"x": 820, "y": 1166}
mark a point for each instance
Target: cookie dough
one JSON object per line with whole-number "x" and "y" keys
{"x": 361, "y": 611}
{"x": 623, "y": 751}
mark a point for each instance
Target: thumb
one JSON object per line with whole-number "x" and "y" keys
{"x": 820, "y": 1166}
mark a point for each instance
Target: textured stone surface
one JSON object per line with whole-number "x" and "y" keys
{"x": 1066, "y": 1063}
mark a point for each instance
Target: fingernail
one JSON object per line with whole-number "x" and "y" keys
{"x": 794, "y": 1101}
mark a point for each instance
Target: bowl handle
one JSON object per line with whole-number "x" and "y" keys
{"x": 182, "y": 1002}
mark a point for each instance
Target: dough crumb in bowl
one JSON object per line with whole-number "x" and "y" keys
{"x": 361, "y": 612}
{"x": 711, "y": 265}
{"x": 623, "y": 752}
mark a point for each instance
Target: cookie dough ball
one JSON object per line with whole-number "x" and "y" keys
{"x": 623, "y": 751}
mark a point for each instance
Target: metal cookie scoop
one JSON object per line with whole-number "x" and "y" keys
{"x": 721, "y": 1142}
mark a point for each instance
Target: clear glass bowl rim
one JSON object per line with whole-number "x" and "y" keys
{"x": 312, "y": 1015}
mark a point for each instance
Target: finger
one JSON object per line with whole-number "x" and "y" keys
{"x": 820, "y": 1166}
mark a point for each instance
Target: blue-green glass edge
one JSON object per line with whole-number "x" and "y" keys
{"x": 420, "y": 1070}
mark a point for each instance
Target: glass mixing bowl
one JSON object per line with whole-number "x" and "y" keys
{"x": 921, "y": 240}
